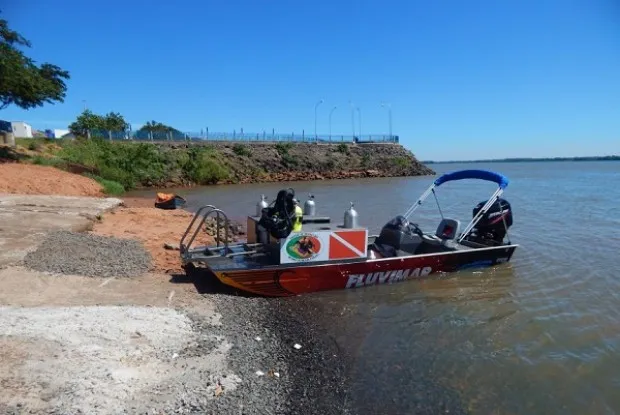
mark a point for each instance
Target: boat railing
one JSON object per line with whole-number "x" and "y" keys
{"x": 206, "y": 212}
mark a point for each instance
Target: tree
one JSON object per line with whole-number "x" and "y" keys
{"x": 23, "y": 83}
{"x": 157, "y": 127}
{"x": 89, "y": 121}
{"x": 86, "y": 121}
{"x": 114, "y": 121}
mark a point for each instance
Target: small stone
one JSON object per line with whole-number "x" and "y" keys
{"x": 171, "y": 247}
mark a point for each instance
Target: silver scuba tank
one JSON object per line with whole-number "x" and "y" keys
{"x": 261, "y": 205}
{"x": 351, "y": 218}
{"x": 310, "y": 206}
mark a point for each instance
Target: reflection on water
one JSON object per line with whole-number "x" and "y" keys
{"x": 536, "y": 336}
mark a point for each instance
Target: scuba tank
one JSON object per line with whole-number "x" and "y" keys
{"x": 261, "y": 205}
{"x": 309, "y": 206}
{"x": 350, "y": 218}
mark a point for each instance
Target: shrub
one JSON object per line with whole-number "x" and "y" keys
{"x": 203, "y": 166}
{"x": 401, "y": 162}
{"x": 283, "y": 148}
{"x": 110, "y": 187}
{"x": 242, "y": 150}
{"x": 129, "y": 164}
{"x": 342, "y": 148}
{"x": 289, "y": 160}
{"x": 48, "y": 161}
{"x": 330, "y": 163}
{"x": 365, "y": 160}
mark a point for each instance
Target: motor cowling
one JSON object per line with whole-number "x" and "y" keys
{"x": 494, "y": 223}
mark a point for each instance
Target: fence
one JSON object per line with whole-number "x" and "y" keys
{"x": 142, "y": 135}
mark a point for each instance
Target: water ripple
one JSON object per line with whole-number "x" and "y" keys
{"x": 538, "y": 335}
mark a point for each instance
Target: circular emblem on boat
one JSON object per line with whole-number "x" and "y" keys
{"x": 303, "y": 247}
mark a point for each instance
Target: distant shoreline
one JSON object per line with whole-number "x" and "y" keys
{"x": 532, "y": 159}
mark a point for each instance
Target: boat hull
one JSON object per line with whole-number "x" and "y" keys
{"x": 171, "y": 204}
{"x": 290, "y": 281}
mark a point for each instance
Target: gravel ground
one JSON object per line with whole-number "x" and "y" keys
{"x": 153, "y": 360}
{"x": 90, "y": 255}
{"x": 263, "y": 333}
{"x": 102, "y": 360}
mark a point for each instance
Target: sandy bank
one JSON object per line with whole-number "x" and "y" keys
{"x": 154, "y": 228}
{"x": 29, "y": 179}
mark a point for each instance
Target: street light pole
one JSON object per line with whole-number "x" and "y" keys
{"x": 352, "y": 117}
{"x": 330, "y": 123}
{"x": 389, "y": 107}
{"x": 315, "y": 107}
{"x": 359, "y": 120}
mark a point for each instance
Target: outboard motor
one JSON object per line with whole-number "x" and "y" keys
{"x": 490, "y": 230}
{"x": 276, "y": 220}
{"x": 397, "y": 234}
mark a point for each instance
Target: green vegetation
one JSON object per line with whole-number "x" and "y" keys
{"x": 288, "y": 160}
{"x": 110, "y": 187}
{"x": 342, "y": 148}
{"x": 242, "y": 150}
{"x": 89, "y": 121}
{"x": 29, "y": 143}
{"x": 126, "y": 165}
{"x": 203, "y": 166}
{"x": 48, "y": 161}
{"x": 365, "y": 162}
{"x": 401, "y": 162}
{"x": 23, "y": 83}
{"x": 158, "y": 128}
{"x": 283, "y": 148}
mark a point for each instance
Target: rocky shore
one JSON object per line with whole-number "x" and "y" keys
{"x": 122, "y": 166}
{"x": 256, "y": 162}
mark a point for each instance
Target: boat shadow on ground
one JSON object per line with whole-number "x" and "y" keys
{"x": 206, "y": 282}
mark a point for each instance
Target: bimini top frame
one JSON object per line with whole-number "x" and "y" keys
{"x": 501, "y": 180}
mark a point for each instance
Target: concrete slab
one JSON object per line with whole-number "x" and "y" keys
{"x": 74, "y": 205}
{"x": 25, "y": 219}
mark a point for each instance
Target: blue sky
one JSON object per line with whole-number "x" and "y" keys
{"x": 466, "y": 79}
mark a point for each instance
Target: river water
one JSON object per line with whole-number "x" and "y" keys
{"x": 539, "y": 335}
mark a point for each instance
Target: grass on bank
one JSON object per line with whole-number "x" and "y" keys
{"x": 110, "y": 187}
{"x": 130, "y": 165}
{"x": 119, "y": 167}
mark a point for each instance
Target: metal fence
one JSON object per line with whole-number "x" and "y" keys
{"x": 241, "y": 136}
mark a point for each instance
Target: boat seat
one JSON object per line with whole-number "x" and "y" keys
{"x": 448, "y": 229}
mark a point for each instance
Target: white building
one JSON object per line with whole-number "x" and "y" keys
{"x": 60, "y": 133}
{"x": 21, "y": 129}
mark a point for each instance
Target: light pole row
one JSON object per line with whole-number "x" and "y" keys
{"x": 353, "y": 109}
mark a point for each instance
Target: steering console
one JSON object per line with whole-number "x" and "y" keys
{"x": 413, "y": 227}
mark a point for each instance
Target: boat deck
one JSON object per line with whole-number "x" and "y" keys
{"x": 256, "y": 256}
{"x": 253, "y": 255}
{"x": 242, "y": 256}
